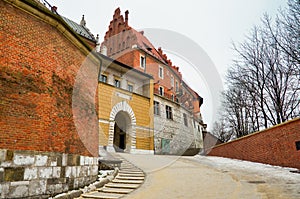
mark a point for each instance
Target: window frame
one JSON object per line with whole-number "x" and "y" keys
{"x": 156, "y": 107}
{"x": 169, "y": 112}
{"x": 101, "y": 78}
{"x": 160, "y": 88}
{"x": 185, "y": 119}
{"x": 115, "y": 83}
{"x": 176, "y": 86}
{"x": 161, "y": 72}
{"x": 130, "y": 86}
{"x": 172, "y": 81}
{"x": 142, "y": 64}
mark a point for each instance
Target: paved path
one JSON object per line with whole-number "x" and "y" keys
{"x": 201, "y": 177}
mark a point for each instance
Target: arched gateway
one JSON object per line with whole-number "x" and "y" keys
{"x": 122, "y": 128}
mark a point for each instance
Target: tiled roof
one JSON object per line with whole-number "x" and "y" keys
{"x": 81, "y": 30}
{"x": 145, "y": 44}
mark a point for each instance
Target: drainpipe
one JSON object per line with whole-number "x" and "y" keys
{"x": 99, "y": 75}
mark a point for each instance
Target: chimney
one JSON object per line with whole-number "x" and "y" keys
{"x": 126, "y": 17}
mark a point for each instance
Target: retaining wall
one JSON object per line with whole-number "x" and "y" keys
{"x": 279, "y": 145}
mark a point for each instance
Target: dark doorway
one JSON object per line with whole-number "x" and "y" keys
{"x": 121, "y": 131}
{"x": 119, "y": 139}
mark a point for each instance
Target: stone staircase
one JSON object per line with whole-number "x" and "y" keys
{"x": 128, "y": 179}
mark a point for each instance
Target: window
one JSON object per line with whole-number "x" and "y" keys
{"x": 142, "y": 61}
{"x": 177, "y": 88}
{"x": 198, "y": 128}
{"x": 117, "y": 83}
{"x": 185, "y": 119}
{"x": 172, "y": 81}
{"x": 298, "y": 145}
{"x": 130, "y": 88}
{"x": 156, "y": 108}
{"x": 161, "y": 91}
{"x": 169, "y": 114}
{"x": 172, "y": 97}
{"x": 161, "y": 72}
{"x": 103, "y": 78}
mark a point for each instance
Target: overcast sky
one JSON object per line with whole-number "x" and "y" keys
{"x": 212, "y": 24}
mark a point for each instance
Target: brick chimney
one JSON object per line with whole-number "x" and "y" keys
{"x": 126, "y": 17}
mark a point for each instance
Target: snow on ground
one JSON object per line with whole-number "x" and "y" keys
{"x": 268, "y": 171}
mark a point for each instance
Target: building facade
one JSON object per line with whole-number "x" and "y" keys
{"x": 177, "y": 119}
{"x": 125, "y": 108}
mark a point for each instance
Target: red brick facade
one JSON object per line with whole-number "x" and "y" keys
{"x": 275, "y": 146}
{"x": 127, "y": 45}
{"x": 38, "y": 67}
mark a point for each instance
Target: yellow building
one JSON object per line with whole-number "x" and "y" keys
{"x": 125, "y": 108}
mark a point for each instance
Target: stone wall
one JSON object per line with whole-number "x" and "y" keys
{"x": 29, "y": 174}
{"x": 173, "y": 136}
{"x": 278, "y": 145}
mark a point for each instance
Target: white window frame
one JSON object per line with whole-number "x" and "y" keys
{"x": 169, "y": 113}
{"x": 142, "y": 65}
{"x": 116, "y": 79}
{"x": 172, "y": 81}
{"x": 161, "y": 75}
{"x": 156, "y": 106}
{"x": 128, "y": 86}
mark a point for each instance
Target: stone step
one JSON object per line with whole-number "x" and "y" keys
{"x": 130, "y": 170}
{"x": 101, "y": 195}
{"x": 128, "y": 181}
{"x": 131, "y": 174}
{"x": 115, "y": 190}
{"x": 122, "y": 186}
{"x": 129, "y": 178}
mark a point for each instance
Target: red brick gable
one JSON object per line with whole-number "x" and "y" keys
{"x": 128, "y": 38}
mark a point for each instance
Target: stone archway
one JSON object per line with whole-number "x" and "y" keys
{"x": 122, "y": 107}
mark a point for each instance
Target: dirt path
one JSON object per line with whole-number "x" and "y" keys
{"x": 175, "y": 177}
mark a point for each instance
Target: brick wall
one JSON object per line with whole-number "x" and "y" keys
{"x": 41, "y": 151}
{"x": 275, "y": 146}
{"x": 39, "y": 65}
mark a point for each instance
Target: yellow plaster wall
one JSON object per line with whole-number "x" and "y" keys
{"x": 141, "y": 106}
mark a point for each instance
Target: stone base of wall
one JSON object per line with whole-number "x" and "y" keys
{"x": 32, "y": 174}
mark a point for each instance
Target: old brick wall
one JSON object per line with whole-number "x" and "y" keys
{"x": 275, "y": 146}
{"x": 38, "y": 70}
{"x": 43, "y": 151}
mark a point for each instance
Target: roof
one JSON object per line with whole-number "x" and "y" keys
{"x": 79, "y": 29}
{"x": 144, "y": 44}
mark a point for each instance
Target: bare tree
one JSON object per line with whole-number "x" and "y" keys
{"x": 263, "y": 85}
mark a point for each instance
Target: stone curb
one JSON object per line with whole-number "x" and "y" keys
{"x": 92, "y": 187}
